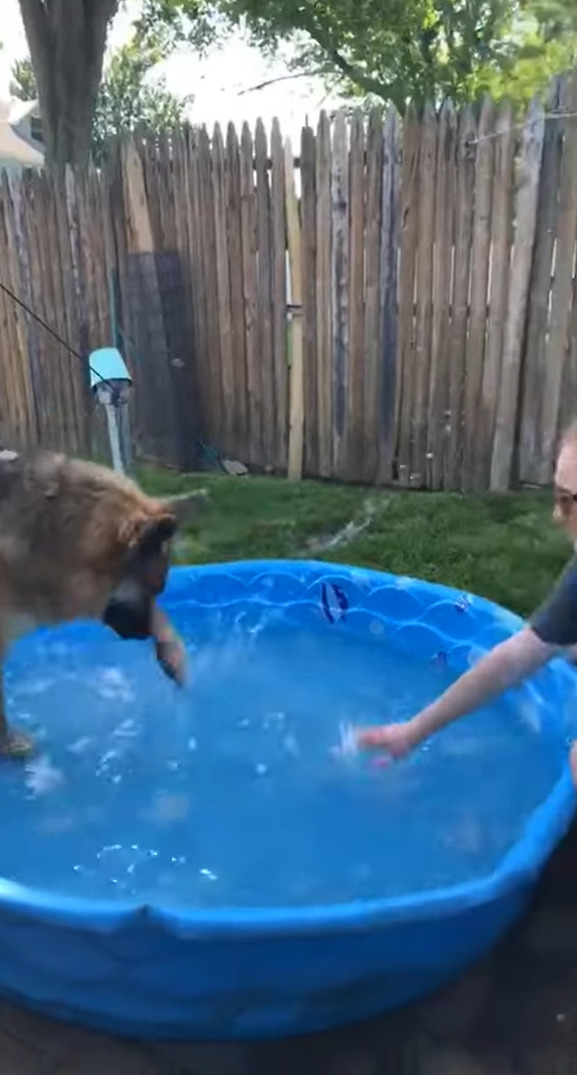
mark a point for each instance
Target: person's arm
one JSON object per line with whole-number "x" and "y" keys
{"x": 170, "y": 651}
{"x": 552, "y": 629}
{"x": 504, "y": 667}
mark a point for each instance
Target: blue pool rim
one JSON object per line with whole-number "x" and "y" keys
{"x": 518, "y": 869}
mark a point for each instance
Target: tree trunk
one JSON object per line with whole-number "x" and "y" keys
{"x": 67, "y": 39}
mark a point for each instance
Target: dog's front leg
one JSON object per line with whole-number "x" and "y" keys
{"x": 170, "y": 651}
{"x": 13, "y": 744}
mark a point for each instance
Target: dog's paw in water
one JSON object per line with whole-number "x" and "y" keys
{"x": 16, "y": 746}
{"x": 171, "y": 656}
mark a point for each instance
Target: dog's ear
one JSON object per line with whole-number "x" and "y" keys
{"x": 145, "y": 533}
{"x": 156, "y": 533}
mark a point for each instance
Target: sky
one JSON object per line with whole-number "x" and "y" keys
{"x": 216, "y": 82}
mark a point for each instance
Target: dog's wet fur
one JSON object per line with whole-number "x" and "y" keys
{"x": 78, "y": 540}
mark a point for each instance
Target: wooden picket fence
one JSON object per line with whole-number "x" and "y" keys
{"x": 390, "y": 301}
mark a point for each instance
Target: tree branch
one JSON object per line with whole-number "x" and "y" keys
{"x": 282, "y": 78}
{"x": 388, "y": 91}
{"x": 385, "y": 90}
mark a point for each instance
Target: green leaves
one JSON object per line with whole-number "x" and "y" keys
{"x": 420, "y": 49}
{"x": 128, "y": 101}
{"x": 23, "y": 81}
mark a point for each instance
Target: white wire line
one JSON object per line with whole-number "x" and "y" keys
{"x": 521, "y": 126}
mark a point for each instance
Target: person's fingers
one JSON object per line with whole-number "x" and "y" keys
{"x": 382, "y": 761}
{"x": 371, "y": 737}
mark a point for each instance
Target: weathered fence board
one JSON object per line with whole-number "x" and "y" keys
{"x": 530, "y": 447}
{"x": 296, "y": 412}
{"x": 406, "y": 368}
{"x": 239, "y": 421}
{"x": 372, "y": 299}
{"x": 424, "y": 281}
{"x": 389, "y": 286}
{"x": 309, "y": 299}
{"x": 501, "y": 237}
{"x": 264, "y": 311}
{"x": 279, "y": 238}
{"x": 561, "y": 290}
{"x": 466, "y": 152}
{"x": 441, "y": 298}
{"x": 340, "y": 289}
{"x": 248, "y": 234}
{"x": 355, "y": 409}
{"x": 526, "y": 197}
{"x": 223, "y": 291}
{"x": 480, "y": 254}
{"x": 323, "y": 293}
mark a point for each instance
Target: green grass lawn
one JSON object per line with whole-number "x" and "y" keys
{"x": 503, "y": 547}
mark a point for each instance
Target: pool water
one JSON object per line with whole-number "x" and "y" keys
{"x": 236, "y": 791}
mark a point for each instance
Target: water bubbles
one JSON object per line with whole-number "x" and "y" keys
{"x": 82, "y": 870}
{"x": 347, "y": 745}
{"x": 192, "y": 744}
{"x": 42, "y": 777}
{"x": 105, "y": 761}
{"x": 81, "y": 746}
{"x": 208, "y": 875}
{"x": 290, "y": 745}
{"x": 113, "y": 685}
{"x": 529, "y": 713}
{"x": 401, "y": 582}
{"x": 127, "y": 729}
{"x": 36, "y": 686}
{"x": 475, "y": 654}
{"x": 261, "y": 769}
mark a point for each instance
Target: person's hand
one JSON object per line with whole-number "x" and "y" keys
{"x": 396, "y": 740}
{"x": 171, "y": 656}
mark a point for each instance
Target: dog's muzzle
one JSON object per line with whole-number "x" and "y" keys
{"x": 129, "y": 612}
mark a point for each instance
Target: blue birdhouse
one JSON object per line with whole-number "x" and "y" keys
{"x": 111, "y": 382}
{"x": 109, "y": 376}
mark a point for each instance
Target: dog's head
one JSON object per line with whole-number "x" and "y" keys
{"x": 145, "y": 538}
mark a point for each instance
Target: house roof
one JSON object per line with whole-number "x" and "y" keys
{"x": 13, "y": 148}
{"x": 18, "y": 109}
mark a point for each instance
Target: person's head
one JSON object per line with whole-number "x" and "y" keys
{"x": 565, "y": 483}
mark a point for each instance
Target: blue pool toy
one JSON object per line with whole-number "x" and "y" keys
{"x": 94, "y": 931}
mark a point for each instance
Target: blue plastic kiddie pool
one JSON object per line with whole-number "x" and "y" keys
{"x": 216, "y": 862}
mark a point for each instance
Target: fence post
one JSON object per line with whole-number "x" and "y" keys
{"x": 296, "y": 414}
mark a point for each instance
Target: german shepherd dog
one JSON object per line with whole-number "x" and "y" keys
{"x": 78, "y": 540}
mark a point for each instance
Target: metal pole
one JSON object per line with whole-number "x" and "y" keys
{"x": 114, "y": 437}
